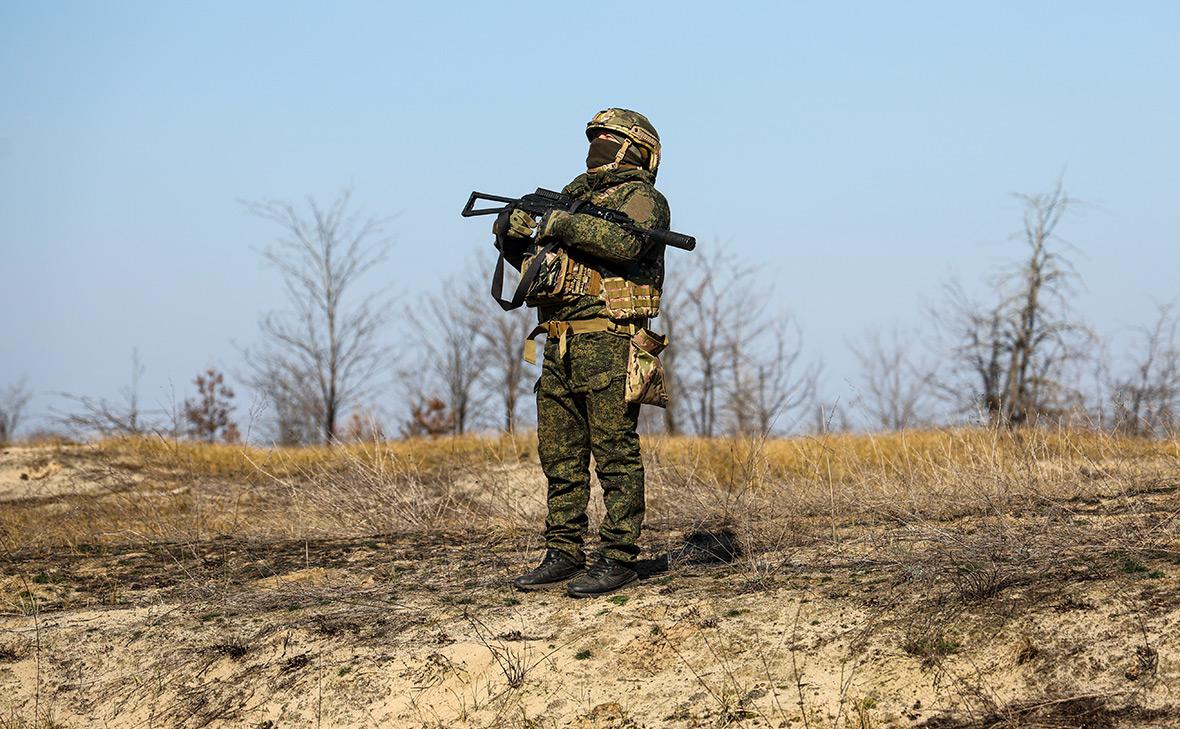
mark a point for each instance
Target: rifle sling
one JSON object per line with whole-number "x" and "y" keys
{"x": 526, "y": 278}
{"x": 530, "y": 274}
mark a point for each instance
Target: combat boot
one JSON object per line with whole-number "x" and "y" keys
{"x": 604, "y": 575}
{"x": 557, "y": 566}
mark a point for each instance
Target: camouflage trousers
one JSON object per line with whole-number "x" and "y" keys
{"x": 580, "y": 411}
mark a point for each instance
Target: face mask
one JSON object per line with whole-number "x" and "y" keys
{"x": 602, "y": 152}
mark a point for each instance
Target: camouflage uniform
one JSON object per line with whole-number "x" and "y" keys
{"x": 581, "y": 408}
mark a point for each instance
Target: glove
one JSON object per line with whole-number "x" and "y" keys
{"x": 551, "y": 224}
{"x": 514, "y": 223}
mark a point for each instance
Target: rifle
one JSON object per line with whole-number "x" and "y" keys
{"x": 540, "y": 203}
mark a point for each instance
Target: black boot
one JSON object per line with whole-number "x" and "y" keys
{"x": 604, "y": 575}
{"x": 557, "y": 566}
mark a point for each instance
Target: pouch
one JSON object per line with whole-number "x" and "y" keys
{"x": 559, "y": 279}
{"x": 623, "y": 299}
{"x": 645, "y": 372}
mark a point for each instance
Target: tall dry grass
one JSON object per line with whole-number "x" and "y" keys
{"x": 778, "y": 494}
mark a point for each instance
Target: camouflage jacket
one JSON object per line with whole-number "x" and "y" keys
{"x": 606, "y": 247}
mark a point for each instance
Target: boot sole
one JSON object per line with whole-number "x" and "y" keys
{"x": 579, "y": 595}
{"x": 544, "y": 585}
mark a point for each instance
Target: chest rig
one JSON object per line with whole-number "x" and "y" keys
{"x": 563, "y": 277}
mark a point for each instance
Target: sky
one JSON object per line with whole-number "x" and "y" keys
{"x": 859, "y": 154}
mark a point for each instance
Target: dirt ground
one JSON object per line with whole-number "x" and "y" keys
{"x": 422, "y": 629}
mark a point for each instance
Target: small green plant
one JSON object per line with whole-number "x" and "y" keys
{"x": 344, "y": 671}
{"x": 930, "y": 647}
{"x": 1132, "y": 566}
{"x": 733, "y": 612}
{"x": 582, "y": 654}
{"x": 618, "y": 599}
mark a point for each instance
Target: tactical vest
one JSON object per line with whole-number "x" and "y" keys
{"x": 562, "y": 279}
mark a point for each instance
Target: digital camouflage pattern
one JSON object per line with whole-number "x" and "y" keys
{"x": 606, "y": 247}
{"x": 582, "y": 409}
{"x": 582, "y": 405}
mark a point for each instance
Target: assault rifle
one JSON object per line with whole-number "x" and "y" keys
{"x": 541, "y": 202}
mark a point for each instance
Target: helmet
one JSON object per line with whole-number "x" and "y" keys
{"x": 634, "y": 128}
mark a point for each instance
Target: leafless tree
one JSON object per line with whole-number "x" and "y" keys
{"x": 697, "y": 314}
{"x": 1147, "y": 400}
{"x": 326, "y": 351}
{"x": 733, "y": 365}
{"x": 1040, "y": 327}
{"x": 106, "y": 418}
{"x": 13, "y": 400}
{"x": 674, "y": 302}
{"x": 291, "y": 394}
{"x": 1013, "y": 358}
{"x": 895, "y": 391}
{"x": 501, "y": 336}
{"x": 768, "y": 384}
{"x": 973, "y": 337}
{"x": 448, "y": 330}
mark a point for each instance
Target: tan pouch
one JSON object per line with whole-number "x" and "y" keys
{"x": 645, "y": 372}
{"x": 625, "y": 300}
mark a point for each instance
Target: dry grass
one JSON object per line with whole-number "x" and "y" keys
{"x": 929, "y": 541}
{"x": 158, "y": 490}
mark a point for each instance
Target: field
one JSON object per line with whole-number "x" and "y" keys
{"x": 938, "y": 578}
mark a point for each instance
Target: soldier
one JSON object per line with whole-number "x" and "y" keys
{"x": 595, "y": 294}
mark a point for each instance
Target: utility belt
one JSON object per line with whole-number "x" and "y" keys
{"x": 561, "y": 330}
{"x": 645, "y": 373}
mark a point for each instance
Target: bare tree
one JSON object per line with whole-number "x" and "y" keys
{"x": 698, "y": 314}
{"x": 106, "y": 418}
{"x": 1012, "y": 358}
{"x": 675, "y": 300}
{"x": 326, "y": 350}
{"x": 973, "y": 337}
{"x": 768, "y": 385}
{"x": 732, "y": 364}
{"x": 1147, "y": 400}
{"x": 895, "y": 391}
{"x": 13, "y": 400}
{"x": 501, "y": 336}
{"x": 292, "y": 395}
{"x": 451, "y": 365}
{"x": 1040, "y": 326}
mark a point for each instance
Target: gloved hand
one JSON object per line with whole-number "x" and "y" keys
{"x": 514, "y": 223}
{"x": 551, "y": 224}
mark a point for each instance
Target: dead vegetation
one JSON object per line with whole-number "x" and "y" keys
{"x": 940, "y": 578}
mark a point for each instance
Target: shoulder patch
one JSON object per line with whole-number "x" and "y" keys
{"x": 639, "y": 208}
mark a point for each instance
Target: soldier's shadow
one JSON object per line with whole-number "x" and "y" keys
{"x": 701, "y": 547}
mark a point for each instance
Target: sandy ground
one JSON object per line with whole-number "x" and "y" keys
{"x": 399, "y": 630}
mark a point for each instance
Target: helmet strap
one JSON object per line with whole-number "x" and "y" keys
{"x": 618, "y": 163}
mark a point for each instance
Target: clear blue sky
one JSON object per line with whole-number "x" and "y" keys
{"x": 861, "y": 152}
